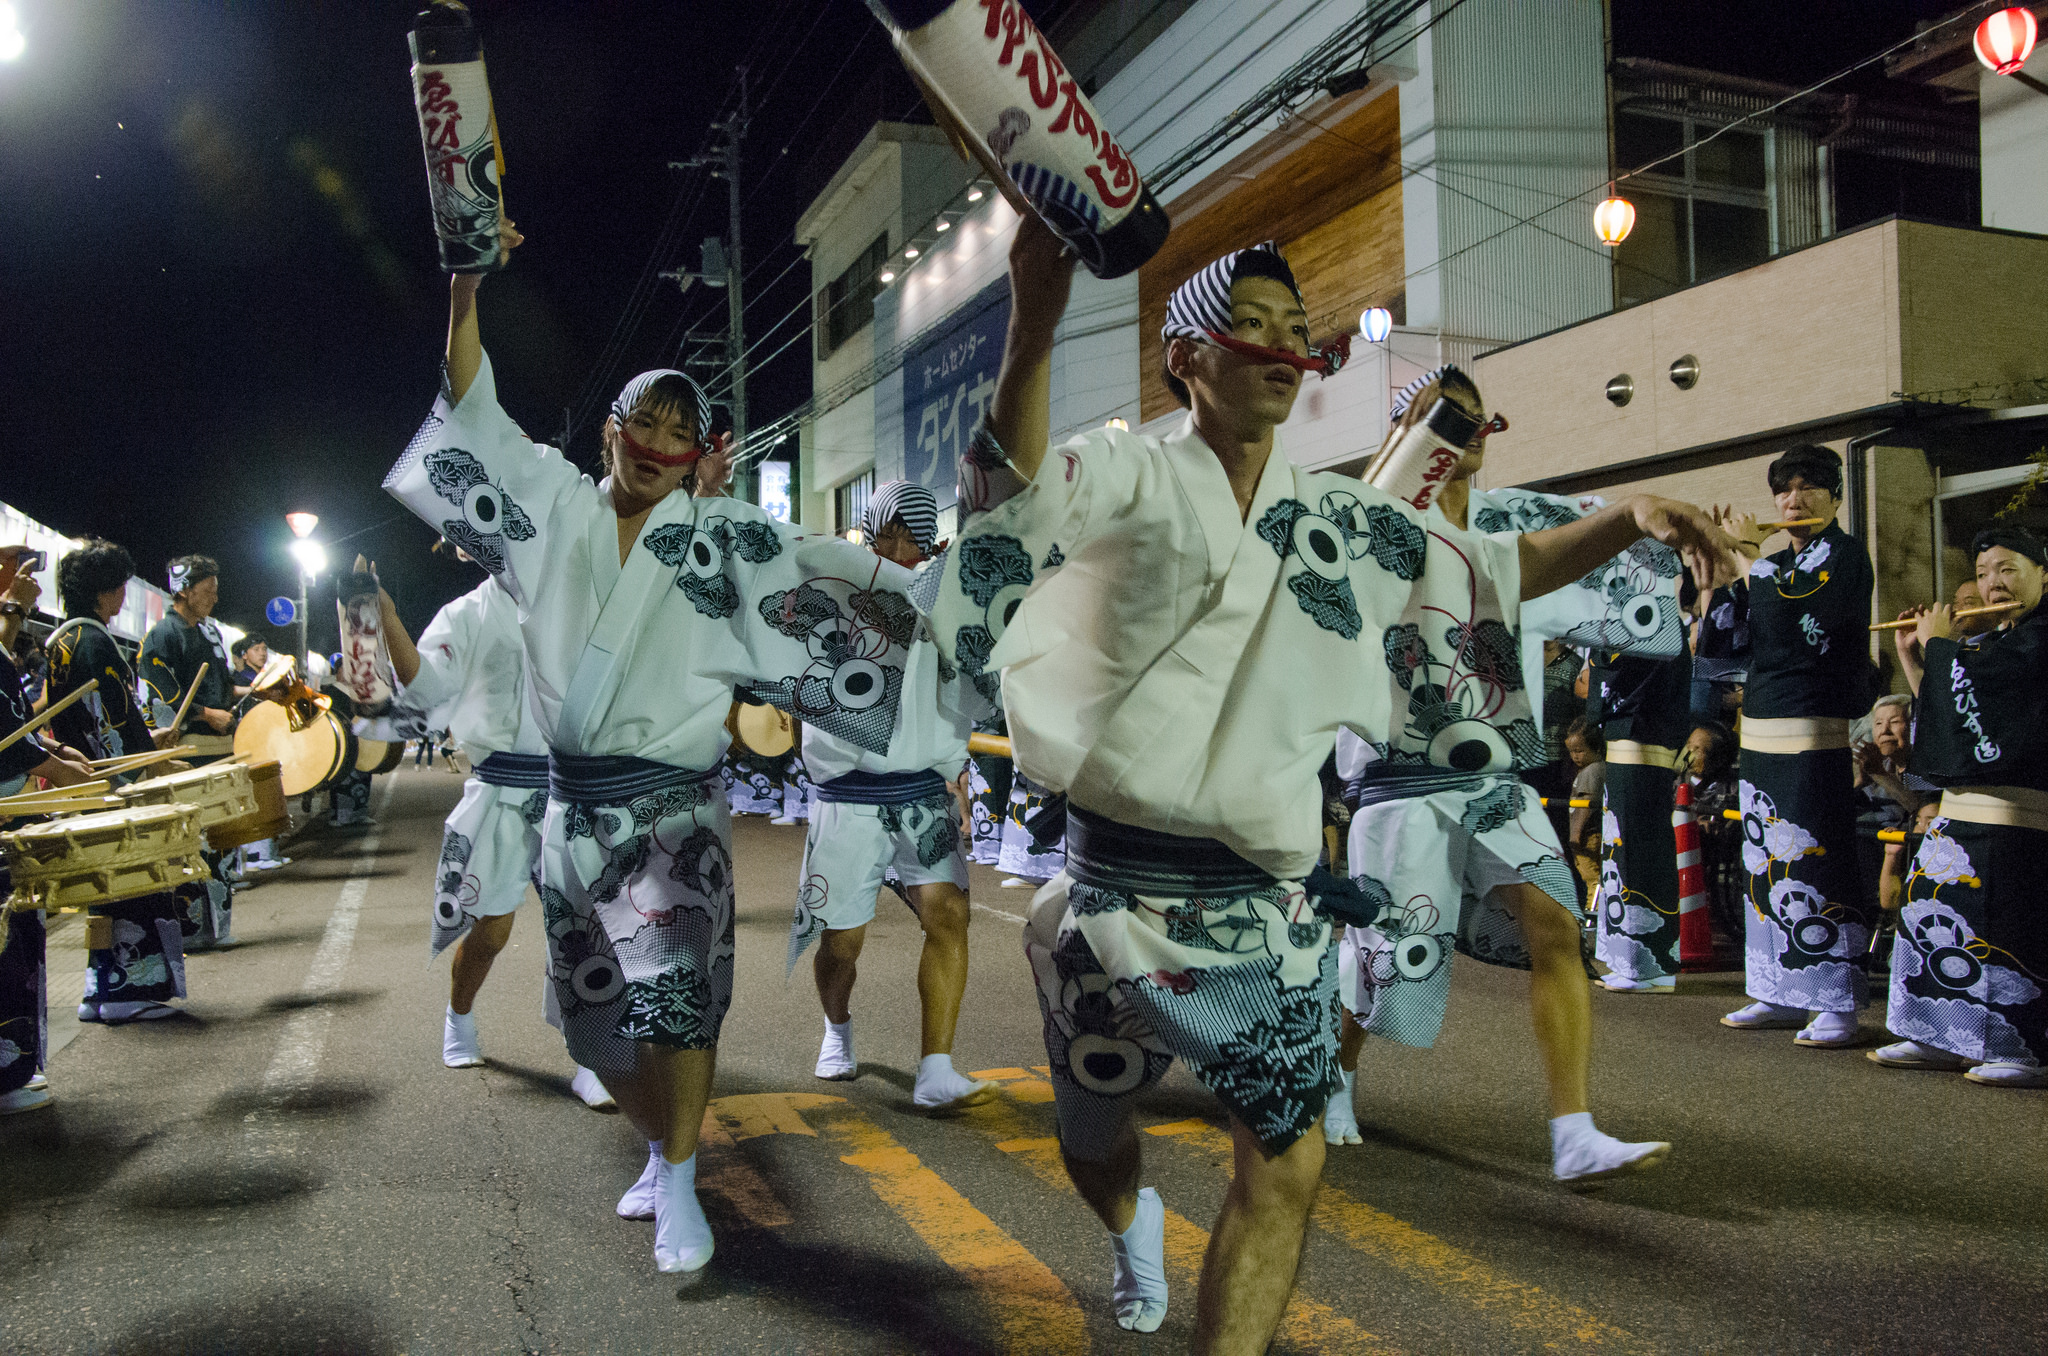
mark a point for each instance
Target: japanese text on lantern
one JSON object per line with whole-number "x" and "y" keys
{"x": 1047, "y": 82}
{"x": 441, "y": 116}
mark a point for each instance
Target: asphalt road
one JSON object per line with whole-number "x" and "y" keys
{"x": 290, "y": 1169}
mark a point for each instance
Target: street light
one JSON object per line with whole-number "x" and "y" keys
{"x": 12, "y": 42}
{"x": 1375, "y": 324}
{"x": 312, "y": 558}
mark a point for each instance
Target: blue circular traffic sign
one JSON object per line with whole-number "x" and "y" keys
{"x": 280, "y": 611}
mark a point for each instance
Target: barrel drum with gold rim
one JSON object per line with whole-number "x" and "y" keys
{"x": 765, "y": 731}
{"x": 310, "y": 757}
{"x": 221, "y": 792}
{"x": 269, "y": 820}
{"x": 75, "y": 862}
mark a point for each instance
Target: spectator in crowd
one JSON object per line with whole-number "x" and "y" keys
{"x": 1710, "y": 770}
{"x": 1587, "y": 750}
{"x": 250, "y": 654}
{"x": 1889, "y": 795}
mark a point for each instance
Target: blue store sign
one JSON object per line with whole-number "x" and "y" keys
{"x": 949, "y": 379}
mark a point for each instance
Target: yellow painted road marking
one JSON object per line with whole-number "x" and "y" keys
{"x": 768, "y": 1113}
{"x": 1033, "y": 1310}
{"x": 1308, "y": 1324}
{"x": 726, "y": 1174}
{"x": 1402, "y": 1246}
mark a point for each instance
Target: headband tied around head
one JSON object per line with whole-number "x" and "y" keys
{"x": 1405, "y": 397}
{"x": 1199, "y": 309}
{"x": 634, "y": 391}
{"x": 915, "y": 505}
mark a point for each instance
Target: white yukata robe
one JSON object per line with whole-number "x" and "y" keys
{"x": 1017, "y": 852}
{"x": 1432, "y": 848}
{"x": 471, "y": 682}
{"x": 1180, "y": 669}
{"x": 630, "y": 668}
{"x": 887, "y": 816}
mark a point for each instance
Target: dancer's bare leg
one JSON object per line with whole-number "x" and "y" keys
{"x": 473, "y": 956}
{"x": 1248, "y": 1272}
{"x": 942, "y": 966}
{"x": 1560, "y": 998}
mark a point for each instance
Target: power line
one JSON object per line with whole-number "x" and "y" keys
{"x": 1647, "y": 166}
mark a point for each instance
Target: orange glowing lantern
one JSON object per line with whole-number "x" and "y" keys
{"x": 2006, "y": 39}
{"x": 1614, "y": 219}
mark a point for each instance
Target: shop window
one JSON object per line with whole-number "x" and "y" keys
{"x": 850, "y": 501}
{"x": 847, "y": 303}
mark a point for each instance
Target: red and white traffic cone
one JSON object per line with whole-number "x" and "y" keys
{"x": 1695, "y": 930}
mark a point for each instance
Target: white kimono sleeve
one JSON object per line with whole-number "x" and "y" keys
{"x": 973, "y": 590}
{"x": 470, "y": 474}
{"x": 810, "y": 623}
{"x": 445, "y": 648}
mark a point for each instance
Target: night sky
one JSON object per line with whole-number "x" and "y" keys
{"x": 220, "y": 292}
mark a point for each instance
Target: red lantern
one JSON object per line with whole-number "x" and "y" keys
{"x": 1614, "y": 219}
{"x": 2006, "y": 39}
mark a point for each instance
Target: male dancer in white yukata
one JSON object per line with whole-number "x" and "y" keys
{"x": 893, "y": 816}
{"x": 467, "y": 672}
{"x": 1452, "y": 842}
{"x": 1182, "y": 624}
{"x": 640, "y": 608}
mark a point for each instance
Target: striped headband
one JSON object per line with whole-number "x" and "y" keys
{"x": 1405, "y": 397}
{"x": 636, "y": 390}
{"x": 912, "y": 503}
{"x": 1199, "y": 309}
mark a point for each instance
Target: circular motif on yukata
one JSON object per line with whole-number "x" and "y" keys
{"x": 702, "y": 557}
{"x": 1470, "y": 746}
{"x": 1001, "y": 608}
{"x": 1815, "y": 935}
{"x": 1611, "y": 904}
{"x": 829, "y": 639}
{"x": 858, "y": 684}
{"x": 1640, "y": 616}
{"x": 1107, "y": 1066}
{"x": 1320, "y": 544}
{"x": 116, "y": 977}
{"x": 1954, "y": 968}
{"x": 596, "y": 979}
{"x": 1418, "y": 956}
{"x": 446, "y": 912}
{"x": 484, "y": 507}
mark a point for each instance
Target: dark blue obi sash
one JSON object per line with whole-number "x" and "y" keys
{"x": 1384, "y": 781}
{"x": 527, "y": 771}
{"x": 882, "y": 788}
{"x": 1124, "y": 857}
{"x": 614, "y": 779}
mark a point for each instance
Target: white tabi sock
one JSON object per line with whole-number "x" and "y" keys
{"x": 1581, "y": 1152}
{"x": 1340, "y": 1120}
{"x": 638, "y": 1202}
{"x": 835, "y": 1055}
{"x": 459, "y": 1049}
{"x": 682, "y": 1236}
{"x": 1139, "y": 1286}
{"x": 941, "y": 1086}
{"x": 591, "y": 1089}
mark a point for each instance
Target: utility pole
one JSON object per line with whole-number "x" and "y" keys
{"x": 724, "y": 163}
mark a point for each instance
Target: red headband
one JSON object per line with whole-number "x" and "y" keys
{"x": 1323, "y": 361}
{"x": 646, "y": 453}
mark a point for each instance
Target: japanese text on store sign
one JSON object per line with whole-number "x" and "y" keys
{"x": 948, "y": 382}
{"x": 1047, "y": 81}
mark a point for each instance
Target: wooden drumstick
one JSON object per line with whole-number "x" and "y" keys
{"x": 134, "y": 762}
{"x": 51, "y": 712}
{"x": 1791, "y": 522}
{"x": 21, "y": 802}
{"x": 190, "y": 692}
{"x": 999, "y": 745}
{"x": 1966, "y": 612}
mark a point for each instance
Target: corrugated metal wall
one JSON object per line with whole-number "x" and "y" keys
{"x": 1520, "y": 96}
